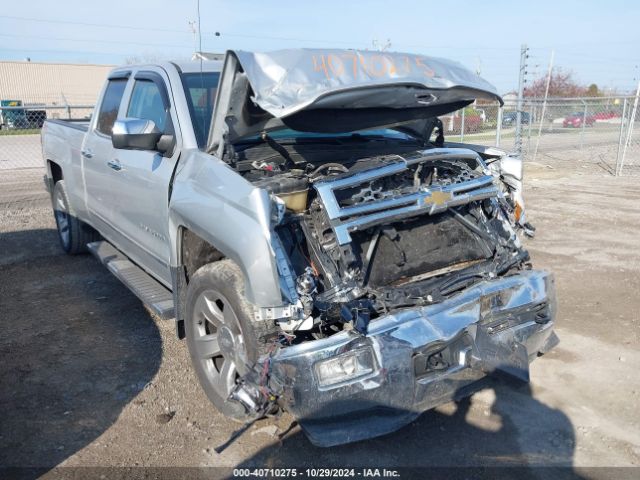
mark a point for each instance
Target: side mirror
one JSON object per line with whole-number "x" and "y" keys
{"x": 136, "y": 134}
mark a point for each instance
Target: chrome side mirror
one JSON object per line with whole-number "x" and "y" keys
{"x": 135, "y": 134}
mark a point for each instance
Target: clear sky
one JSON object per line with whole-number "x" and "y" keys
{"x": 598, "y": 40}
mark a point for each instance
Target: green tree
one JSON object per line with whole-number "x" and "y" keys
{"x": 592, "y": 91}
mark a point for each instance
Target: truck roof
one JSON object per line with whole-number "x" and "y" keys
{"x": 192, "y": 66}
{"x": 189, "y": 66}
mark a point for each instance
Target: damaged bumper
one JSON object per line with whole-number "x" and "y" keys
{"x": 350, "y": 387}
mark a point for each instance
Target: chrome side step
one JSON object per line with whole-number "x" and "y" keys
{"x": 144, "y": 286}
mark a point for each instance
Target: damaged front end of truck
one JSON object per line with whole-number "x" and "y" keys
{"x": 402, "y": 277}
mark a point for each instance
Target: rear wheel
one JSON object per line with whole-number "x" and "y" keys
{"x": 224, "y": 339}
{"x": 73, "y": 233}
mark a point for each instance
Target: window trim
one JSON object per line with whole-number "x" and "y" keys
{"x": 122, "y": 74}
{"x": 164, "y": 98}
{"x": 111, "y": 78}
{"x": 160, "y": 83}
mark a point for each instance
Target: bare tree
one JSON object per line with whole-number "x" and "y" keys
{"x": 562, "y": 84}
{"x": 142, "y": 58}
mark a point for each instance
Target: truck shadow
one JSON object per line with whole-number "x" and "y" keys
{"x": 515, "y": 431}
{"x": 71, "y": 358}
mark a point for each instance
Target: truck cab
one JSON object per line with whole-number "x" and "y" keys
{"x": 112, "y": 177}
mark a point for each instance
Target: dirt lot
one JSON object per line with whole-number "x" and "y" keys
{"x": 89, "y": 378}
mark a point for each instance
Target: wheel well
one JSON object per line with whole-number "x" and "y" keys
{"x": 56, "y": 171}
{"x": 196, "y": 252}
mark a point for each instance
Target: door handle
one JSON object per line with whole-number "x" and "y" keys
{"x": 115, "y": 164}
{"x": 87, "y": 153}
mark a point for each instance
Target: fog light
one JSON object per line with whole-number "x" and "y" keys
{"x": 344, "y": 367}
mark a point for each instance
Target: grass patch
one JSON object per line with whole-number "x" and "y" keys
{"x": 19, "y": 131}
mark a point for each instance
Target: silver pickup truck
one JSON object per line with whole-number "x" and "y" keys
{"x": 317, "y": 241}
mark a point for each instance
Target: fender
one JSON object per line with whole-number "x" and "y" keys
{"x": 220, "y": 206}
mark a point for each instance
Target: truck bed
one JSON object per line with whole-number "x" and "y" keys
{"x": 62, "y": 142}
{"x": 80, "y": 124}
{"x": 62, "y": 138}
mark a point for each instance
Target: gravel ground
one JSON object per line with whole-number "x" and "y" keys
{"x": 90, "y": 378}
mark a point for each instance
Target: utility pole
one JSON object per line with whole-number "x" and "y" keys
{"x": 524, "y": 54}
{"x": 544, "y": 103}
{"x": 194, "y": 31}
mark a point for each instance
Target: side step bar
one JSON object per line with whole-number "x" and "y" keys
{"x": 152, "y": 293}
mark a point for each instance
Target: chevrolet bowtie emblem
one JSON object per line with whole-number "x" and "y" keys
{"x": 438, "y": 197}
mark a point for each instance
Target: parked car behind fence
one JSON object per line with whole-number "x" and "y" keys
{"x": 575, "y": 120}
{"x": 509, "y": 119}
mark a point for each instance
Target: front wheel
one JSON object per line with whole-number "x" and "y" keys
{"x": 223, "y": 338}
{"x": 73, "y": 233}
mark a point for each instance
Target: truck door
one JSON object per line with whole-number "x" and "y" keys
{"x": 142, "y": 178}
{"x": 97, "y": 153}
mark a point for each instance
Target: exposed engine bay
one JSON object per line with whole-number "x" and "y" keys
{"x": 360, "y": 236}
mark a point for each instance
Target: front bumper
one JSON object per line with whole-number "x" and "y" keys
{"x": 500, "y": 324}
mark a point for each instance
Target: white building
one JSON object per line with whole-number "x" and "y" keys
{"x": 36, "y": 83}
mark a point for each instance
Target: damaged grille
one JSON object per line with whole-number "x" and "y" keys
{"x": 419, "y": 248}
{"x": 372, "y": 205}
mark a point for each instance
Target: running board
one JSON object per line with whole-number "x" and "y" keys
{"x": 152, "y": 293}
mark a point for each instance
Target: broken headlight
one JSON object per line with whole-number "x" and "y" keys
{"x": 347, "y": 366}
{"x": 278, "y": 209}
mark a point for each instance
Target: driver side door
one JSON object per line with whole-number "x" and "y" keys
{"x": 144, "y": 175}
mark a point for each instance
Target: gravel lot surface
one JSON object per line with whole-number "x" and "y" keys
{"x": 90, "y": 378}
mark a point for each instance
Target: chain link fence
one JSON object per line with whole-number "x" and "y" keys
{"x": 20, "y": 131}
{"x": 596, "y": 134}
{"x": 582, "y": 133}
{"x": 628, "y": 153}
{"x": 23, "y": 199}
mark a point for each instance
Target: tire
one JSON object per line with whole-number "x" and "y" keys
{"x": 73, "y": 233}
{"x": 223, "y": 338}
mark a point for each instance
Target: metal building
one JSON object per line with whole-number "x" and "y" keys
{"x": 37, "y": 83}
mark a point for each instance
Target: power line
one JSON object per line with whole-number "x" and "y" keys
{"x": 287, "y": 39}
{"x": 70, "y": 52}
{"x": 293, "y": 39}
{"x": 86, "y": 24}
{"x": 35, "y": 37}
{"x": 569, "y": 59}
{"x": 239, "y": 35}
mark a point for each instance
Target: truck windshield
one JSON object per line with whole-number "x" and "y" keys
{"x": 200, "y": 89}
{"x": 288, "y": 134}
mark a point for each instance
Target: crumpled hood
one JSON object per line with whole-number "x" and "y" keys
{"x": 333, "y": 90}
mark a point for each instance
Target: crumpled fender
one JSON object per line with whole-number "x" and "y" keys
{"x": 217, "y": 204}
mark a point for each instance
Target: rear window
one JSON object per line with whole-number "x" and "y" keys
{"x": 110, "y": 104}
{"x": 200, "y": 89}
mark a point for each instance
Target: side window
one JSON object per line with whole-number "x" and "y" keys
{"x": 146, "y": 103}
{"x": 110, "y": 104}
{"x": 201, "y": 94}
